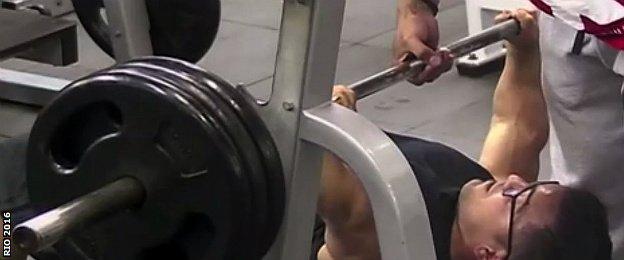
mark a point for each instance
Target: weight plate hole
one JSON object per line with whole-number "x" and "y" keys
{"x": 76, "y": 134}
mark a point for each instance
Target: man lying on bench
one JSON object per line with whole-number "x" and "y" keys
{"x": 477, "y": 211}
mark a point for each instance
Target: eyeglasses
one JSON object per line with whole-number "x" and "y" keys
{"x": 514, "y": 195}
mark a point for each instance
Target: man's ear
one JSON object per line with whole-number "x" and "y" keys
{"x": 486, "y": 252}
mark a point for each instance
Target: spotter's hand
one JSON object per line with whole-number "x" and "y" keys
{"x": 417, "y": 36}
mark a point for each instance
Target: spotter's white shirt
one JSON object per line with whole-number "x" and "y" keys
{"x": 602, "y": 18}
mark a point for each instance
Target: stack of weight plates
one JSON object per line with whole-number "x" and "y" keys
{"x": 213, "y": 178}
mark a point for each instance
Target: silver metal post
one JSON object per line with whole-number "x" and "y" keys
{"x": 391, "y": 76}
{"x": 304, "y": 75}
{"x": 129, "y": 28}
{"x": 46, "y": 229}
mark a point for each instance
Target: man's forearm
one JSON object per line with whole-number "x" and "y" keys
{"x": 519, "y": 127}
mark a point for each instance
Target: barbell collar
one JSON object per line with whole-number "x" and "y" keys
{"x": 48, "y": 228}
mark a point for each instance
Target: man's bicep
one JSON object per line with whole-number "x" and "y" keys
{"x": 506, "y": 152}
{"x": 341, "y": 191}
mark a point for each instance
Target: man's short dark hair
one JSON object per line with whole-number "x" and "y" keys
{"x": 580, "y": 231}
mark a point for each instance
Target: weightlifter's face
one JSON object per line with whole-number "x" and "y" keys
{"x": 483, "y": 212}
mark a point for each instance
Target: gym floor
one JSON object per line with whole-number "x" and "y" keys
{"x": 454, "y": 110}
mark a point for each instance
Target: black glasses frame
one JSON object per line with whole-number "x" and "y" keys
{"x": 514, "y": 198}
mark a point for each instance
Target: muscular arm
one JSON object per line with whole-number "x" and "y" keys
{"x": 344, "y": 207}
{"x": 519, "y": 126}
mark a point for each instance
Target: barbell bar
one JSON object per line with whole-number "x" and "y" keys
{"x": 49, "y": 227}
{"x": 407, "y": 69}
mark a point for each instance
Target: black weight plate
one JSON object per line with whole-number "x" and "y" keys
{"x": 89, "y": 13}
{"x": 257, "y": 175}
{"x": 212, "y": 105}
{"x": 256, "y": 127}
{"x": 255, "y": 217}
{"x": 147, "y": 128}
{"x": 180, "y": 29}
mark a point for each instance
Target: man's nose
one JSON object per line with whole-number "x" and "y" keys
{"x": 514, "y": 183}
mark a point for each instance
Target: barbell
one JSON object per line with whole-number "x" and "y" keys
{"x": 159, "y": 158}
{"x": 175, "y": 162}
{"x": 409, "y": 68}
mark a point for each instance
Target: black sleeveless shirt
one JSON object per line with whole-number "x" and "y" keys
{"x": 441, "y": 172}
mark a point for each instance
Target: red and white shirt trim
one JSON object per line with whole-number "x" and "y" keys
{"x": 603, "y": 18}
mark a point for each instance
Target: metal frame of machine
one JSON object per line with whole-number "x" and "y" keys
{"x": 52, "y": 8}
{"x": 130, "y": 24}
{"x": 49, "y": 41}
{"x": 304, "y": 122}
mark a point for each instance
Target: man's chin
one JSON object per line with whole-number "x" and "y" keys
{"x": 468, "y": 188}
{"x": 472, "y": 184}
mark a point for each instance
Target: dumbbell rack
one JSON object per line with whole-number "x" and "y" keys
{"x": 304, "y": 123}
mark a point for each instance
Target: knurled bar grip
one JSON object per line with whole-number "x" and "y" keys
{"x": 393, "y": 75}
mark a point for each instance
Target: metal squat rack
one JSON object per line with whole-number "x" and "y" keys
{"x": 305, "y": 124}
